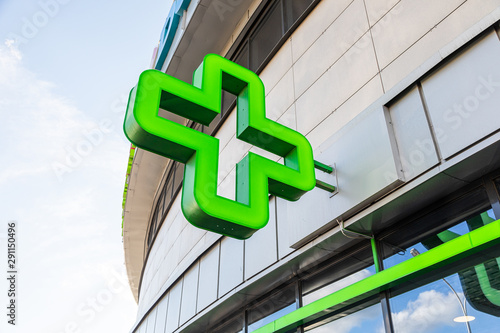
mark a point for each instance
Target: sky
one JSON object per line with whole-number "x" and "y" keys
{"x": 66, "y": 67}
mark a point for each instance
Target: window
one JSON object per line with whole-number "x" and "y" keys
{"x": 266, "y": 37}
{"x": 467, "y": 300}
{"x": 277, "y": 305}
{"x": 368, "y": 319}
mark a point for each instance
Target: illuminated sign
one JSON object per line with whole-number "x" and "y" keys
{"x": 256, "y": 176}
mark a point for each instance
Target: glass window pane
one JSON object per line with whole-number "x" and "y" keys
{"x": 274, "y": 307}
{"x": 168, "y": 187}
{"x": 437, "y": 238}
{"x": 163, "y": 200}
{"x": 179, "y": 175}
{"x": 455, "y": 213}
{"x": 337, "y": 285}
{"x": 497, "y": 182}
{"x": 233, "y": 325}
{"x": 293, "y": 10}
{"x": 209, "y": 130}
{"x": 266, "y": 37}
{"x": 367, "y": 320}
{"x": 152, "y": 228}
{"x": 227, "y": 101}
{"x": 445, "y": 304}
{"x": 453, "y": 303}
{"x": 242, "y": 58}
{"x": 338, "y": 274}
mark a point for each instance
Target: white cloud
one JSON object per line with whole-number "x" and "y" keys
{"x": 66, "y": 229}
{"x": 36, "y": 122}
{"x": 41, "y": 129}
{"x": 371, "y": 316}
{"x": 430, "y": 310}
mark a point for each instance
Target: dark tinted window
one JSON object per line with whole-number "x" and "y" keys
{"x": 266, "y": 37}
{"x": 293, "y": 9}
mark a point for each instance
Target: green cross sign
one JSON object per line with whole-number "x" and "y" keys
{"x": 256, "y": 176}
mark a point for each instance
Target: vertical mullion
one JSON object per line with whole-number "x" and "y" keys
{"x": 245, "y": 321}
{"x": 384, "y": 295}
{"x": 298, "y": 301}
{"x": 386, "y": 311}
{"x": 492, "y": 196}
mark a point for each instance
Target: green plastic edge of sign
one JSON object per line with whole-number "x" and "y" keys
{"x": 446, "y": 253}
{"x": 256, "y": 176}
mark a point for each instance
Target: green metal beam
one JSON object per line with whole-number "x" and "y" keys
{"x": 375, "y": 255}
{"x": 323, "y": 167}
{"x": 325, "y": 186}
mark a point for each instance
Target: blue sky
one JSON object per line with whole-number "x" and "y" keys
{"x": 66, "y": 68}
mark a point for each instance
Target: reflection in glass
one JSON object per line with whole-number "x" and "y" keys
{"x": 466, "y": 301}
{"x": 233, "y": 325}
{"x": 272, "y": 308}
{"x": 266, "y": 37}
{"x": 367, "y": 320}
{"x": 293, "y": 9}
{"x": 338, "y": 274}
{"x": 337, "y": 285}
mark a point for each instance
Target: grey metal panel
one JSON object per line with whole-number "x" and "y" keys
{"x": 413, "y": 136}
{"x": 209, "y": 278}
{"x": 189, "y": 293}
{"x": 161, "y": 315}
{"x": 366, "y": 167}
{"x": 463, "y": 96}
{"x": 150, "y": 327}
{"x": 231, "y": 264}
{"x": 261, "y": 249}
{"x": 282, "y": 229}
{"x": 174, "y": 306}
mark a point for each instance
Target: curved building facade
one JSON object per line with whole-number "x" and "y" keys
{"x": 400, "y": 100}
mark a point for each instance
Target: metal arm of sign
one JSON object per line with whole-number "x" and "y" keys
{"x": 321, "y": 184}
{"x": 322, "y": 167}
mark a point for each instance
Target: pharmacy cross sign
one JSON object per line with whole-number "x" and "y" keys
{"x": 256, "y": 176}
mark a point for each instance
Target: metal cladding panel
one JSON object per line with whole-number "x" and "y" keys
{"x": 161, "y": 315}
{"x": 208, "y": 281}
{"x": 367, "y": 166}
{"x": 231, "y": 264}
{"x": 174, "y": 306}
{"x": 261, "y": 249}
{"x": 150, "y": 327}
{"x": 283, "y": 232}
{"x": 413, "y": 136}
{"x": 189, "y": 293}
{"x": 463, "y": 97}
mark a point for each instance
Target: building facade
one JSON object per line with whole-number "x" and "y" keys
{"x": 402, "y": 100}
